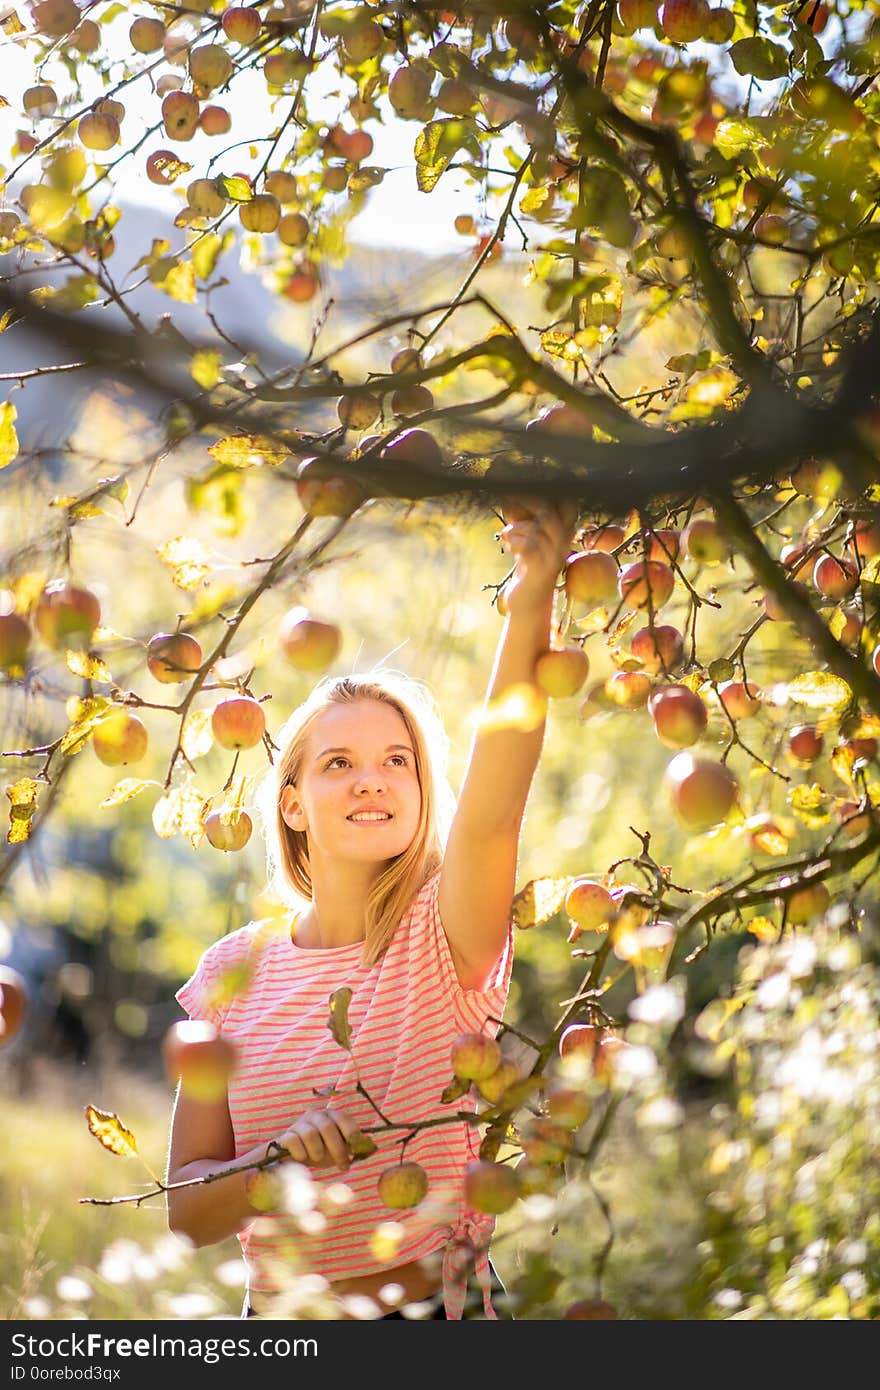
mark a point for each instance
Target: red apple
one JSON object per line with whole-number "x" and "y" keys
{"x": 740, "y": 699}
{"x": 197, "y": 1055}
{"x": 326, "y": 496}
{"x": 703, "y": 792}
{"x": 865, "y": 538}
{"x": 835, "y": 577}
{"x": 180, "y": 114}
{"x": 805, "y": 743}
{"x": 792, "y": 556}
{"x": 629, "y": 689}
{"x": 658, "y": 648}
{"x": 173, "y": 656}
{"x": 680, "y": 716}
{"x": 645, "y": 580}
{"x": 13, "y": 1003}
{"x": 413, "y": 448}
{"x": 682, "y": 21}
{"x": 238, "y": 722}
{"x": 580, "y": 1038}
{"x": 474, "y": 1056}
{"x": 241, "y": 23}
{"x": 215, "y": 120}
{"x": 637, "y": 14}
{"x": 302, "y": 285}
{"x": 606, "y": 538}
{"x": 664, "y": 545}
{"x": 163, "y": 167}
{"x": 308, "y": 643}
{"x": 561, "y": 671}
{"x": 66, "y": 615}
{"x": 403, "y": 1185}
{"x": 120, "y": 738}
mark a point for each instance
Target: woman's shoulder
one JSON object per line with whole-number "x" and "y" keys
{"x": 247, "y": 942}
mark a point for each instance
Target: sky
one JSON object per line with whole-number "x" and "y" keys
{"x": 395, "y": 213}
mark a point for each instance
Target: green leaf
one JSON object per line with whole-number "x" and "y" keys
{"x": 758, "y": 57}
{"x": 8, "y": 437}
{"x": 237, "y": 189}
{"x": 338, "y": 1020}
{"x": 207, "y": 251}
{"x": 436, "y": 146}
{"x": 734, "y": 135}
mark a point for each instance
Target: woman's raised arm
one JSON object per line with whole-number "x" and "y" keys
{"x": 478, "y": 878}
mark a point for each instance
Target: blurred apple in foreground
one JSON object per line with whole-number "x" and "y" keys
{"x": 13, "y": 1003}
{"x": 590, "y": 1310}
{"x": 490, "y": 1187}
{"x": 474, "y": 1056}
{"x": 200, "y": 1058}
{"x": 66, "y": 615}
{"x": 308, "y": 643}
{"x": 703, "y": 791}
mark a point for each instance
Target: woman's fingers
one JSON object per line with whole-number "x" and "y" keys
{"x": 320, "y": 1138}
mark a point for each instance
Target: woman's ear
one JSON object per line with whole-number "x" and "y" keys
{"x": 292, "y": 812}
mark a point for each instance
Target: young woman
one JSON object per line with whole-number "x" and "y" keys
{"x": 405, "y": 901}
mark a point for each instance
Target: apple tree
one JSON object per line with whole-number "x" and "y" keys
{"x": 665, "y": 310}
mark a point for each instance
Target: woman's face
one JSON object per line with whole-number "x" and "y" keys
{"x": 357, "y": 796}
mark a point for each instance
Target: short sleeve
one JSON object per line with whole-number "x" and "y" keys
{"x": 210, "y": 990}
{"x": 473, "y": 1009}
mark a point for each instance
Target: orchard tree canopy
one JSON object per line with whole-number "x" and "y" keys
{"x": 665, "y": 308}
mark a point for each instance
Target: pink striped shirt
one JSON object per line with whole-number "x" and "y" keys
{"x": 405, "y": 1011}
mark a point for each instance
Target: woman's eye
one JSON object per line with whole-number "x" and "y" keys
{"x": 399, "y": 760}
{"x": 334, "y": 761}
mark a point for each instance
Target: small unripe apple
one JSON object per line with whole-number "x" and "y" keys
{"x": 241, "y": 24}
{"x": 409, "y": 91}
{"x": 358, "y": 411}
{"x": 228, "y": 835}
{"x": 15, "y": 640}
{"x": 326, "y": 496}
{"x": 197, "y": 1055}
{"x": 806, "y": 903}
{"x": 9, "y": 221}
{"x": 589, "y": 904}
{"x": 98, "y": 130}
{"x": 403, "y": 1185}
{"x": 261, "y": 214}
{"x": 740, "y": 699}
{"x": 308, "y": 643}
{"x": 40, "y": 100}
{"x": 180, "y": 114}
{"x": 591, "y": 577}
{"x": 664, "y": 545}
{"x": 146, "y": 35}
{"x": 362, "y": 40}
{"x": 835, "y": 577}
{"x": 719, "y": 26}
{"x": 13, "y": 1003}
{"x": 414, "y": 447}
{"x": 703, "y": 791}
{"x": 680, "y": 716}
{"x": 335, "y": 178}
{"x": 120, "y": 738}
{"x": 703, "y": 540}
{"x": 173, "y": 656}
{"x": 210, "y": 65}
{"x": 406, "y": 360}
{"x": 645, "y": 580}
{"x": 66, "y": 615}
{"x": 474, "y": 1056}
{"x": 561, "y": 671}
{"x": 205, "y": 198}
{"x": 238, "y": 722}
{"x": 495, "y": 1087}
{"x": 411, "y": 400}
{"x": 805, "y": 743}
{"x": 567, "y": 1106}
{"x": 282, "y": 184}
{"x": 658, "y": 648}
{"x": 490, "y": 1187}
{"x": 293, "y": 229}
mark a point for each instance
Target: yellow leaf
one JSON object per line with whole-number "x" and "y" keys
{"x": 196, "y": 739}
{"x": 109, "y": 1130}
{"x": 180, "y": 812}
{"x": 83, "y": 716}
{"x": 248, "y": 451}
{"x": 520, "y": 707}
{"x": 713, "y": 388}
{"x": 189, "y": 561}
{"x": 89, "y": 667}
{"x": 763, "y": 928}
{"x": 820, "y": 690}
{"x": 338, "y": 1020}
{"x": 205, "y": 368}
{"x": 23, "y": 796}
{"x": 207, "y": 251}
{"x": 540, "y": 900}
{"x": 8, "y": 437}
{"x": 124, "y": 791}
{"x": 810, "y": 804}
{"x": 180, "y": 283}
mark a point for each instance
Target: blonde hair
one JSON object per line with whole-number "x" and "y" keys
{"x": 287, "y": 850}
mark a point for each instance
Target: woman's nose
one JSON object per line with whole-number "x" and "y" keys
{"x": 370, "y": 780}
